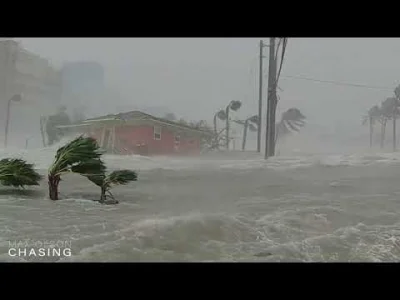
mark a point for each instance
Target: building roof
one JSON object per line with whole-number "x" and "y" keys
{"x": 138, "y": 115}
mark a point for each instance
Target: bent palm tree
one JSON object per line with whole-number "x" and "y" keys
{"x": 291, "y": 120}
{"x": 18, "y": 173}
{"x": 382, "y": 119}
{"x": 371, "y": 118}
{"x": 395, "y": 113}
{"x": 82, "y": 156}
{"x": 391, "y": 108}
{"x": 388, "y": 111}
{"x": 223, "y": 115}
{"x": 234, "y": 105}
{"x": 250, "y": 123}
{"x": 106, "y": 182}
{"x": 217, "y": 139}
{"x": 218, "y": 115}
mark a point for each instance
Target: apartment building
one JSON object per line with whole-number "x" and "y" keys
{"x": 39, "y": 83}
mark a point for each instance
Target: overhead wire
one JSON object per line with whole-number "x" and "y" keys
{"x": 282, "y": 58}
{"x": 338, "y": 82}
{"x": 341, "y": 83}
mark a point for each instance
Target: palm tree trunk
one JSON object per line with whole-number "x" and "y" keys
{"x": 383, "y": 130}
{"x": 227, "y": 127}
{"x": 42, "y": 129}
{"x": 394, "y": 132}
{"x": 53, "y": 182}
{"x": 215, "y": 141}
{"x": 273, "y": 125}
{"x": 246, "y": 124}
{"x": 103, "y": 195}
{"x": 371, "y": 129}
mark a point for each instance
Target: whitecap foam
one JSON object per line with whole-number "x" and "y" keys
{"x": 43, "y": 157}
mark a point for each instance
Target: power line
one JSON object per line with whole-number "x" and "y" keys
{"x": 282, "y": 58}
{"x": 338, "y": 82}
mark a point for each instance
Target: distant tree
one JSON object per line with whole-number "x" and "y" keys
{"x": 370, "y": 118}
{"x": 202, "y": 124}
{"x": 218, "y": 115}
{"x": 170, "y": 117}
{"x": 291, "y": 120}
{"x": 249, "y": 123}
{"x": 223, "y": 115}
{"x": 382, "y": 119}
{"x": 78, "y": 115}
{"x": 218, "y": 140}
{"x": 389, "y": 110}
{"x": 54, "y": 134}
{"x": 395, "y": 113}
{"x": 183, "y": 121}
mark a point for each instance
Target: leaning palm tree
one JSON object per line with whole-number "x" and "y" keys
{"x": 291, "y": 120}
{"x": 218, "y": 140}
{"x": 18, "y": 173}
{"x": 223, "y": 115}
{"x": 382, "y": 119}
{"x": 81, "y": 155}
{"x": 106, "y": 182}
{"x": 389, "y": 111}
{"x": 370, "y": 119}
{"x": 218, "y": 115}
{"x": 395, "y": 113}
{"x": 249, "y": 123}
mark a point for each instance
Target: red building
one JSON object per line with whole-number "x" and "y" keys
{"x": 139, "y": 133}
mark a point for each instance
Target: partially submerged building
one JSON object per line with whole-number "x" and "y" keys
{"x": 139, "y": 133}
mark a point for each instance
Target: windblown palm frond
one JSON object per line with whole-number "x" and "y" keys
{"x": 221, "y": 115}
{"x": 18, "y": 173}
{"x": 93, "y": 169}
{"x": 291, "y": 120}
{"x": 106, "y": 182}
{"x": 235, "y": 105}
{"x": 373, "y": 114}
{"x": 254, "y": 119}
{"x": 120, "y": 177}
{"x": 397, "y": 92}
{"x": 240, "y": 122}
{"x": 80, "y": 154}
{"x": 252, "y": 127}
{"x": 389, "y": 106}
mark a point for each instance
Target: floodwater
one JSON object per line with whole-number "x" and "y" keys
{"x": 314, "y": 208}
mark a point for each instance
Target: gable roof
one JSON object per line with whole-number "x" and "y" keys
{"x": 138, "y": 115}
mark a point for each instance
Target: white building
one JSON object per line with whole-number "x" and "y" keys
{"x": 28, "y": 74}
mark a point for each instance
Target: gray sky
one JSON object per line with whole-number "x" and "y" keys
{"x": 196, "y": 76}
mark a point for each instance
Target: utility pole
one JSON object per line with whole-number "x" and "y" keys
{"x": 271, "y": 96}
{"x": 273, "y": 105}
{"x": 259, "y": 129}
{"x": 394, "y": 123}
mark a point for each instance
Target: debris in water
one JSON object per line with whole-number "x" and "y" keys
{"x": 263, "y": 254}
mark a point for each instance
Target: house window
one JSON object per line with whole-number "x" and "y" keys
{"x": 157, "y": 132}
{"x": 177, "y": 139}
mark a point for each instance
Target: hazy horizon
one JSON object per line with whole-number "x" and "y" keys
{"x": 194, "y": 77}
